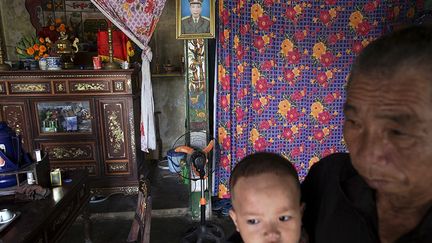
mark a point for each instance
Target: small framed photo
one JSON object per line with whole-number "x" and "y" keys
{"x": 195, "y": 19}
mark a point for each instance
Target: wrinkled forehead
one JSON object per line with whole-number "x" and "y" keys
{"x": 413, "y": 77}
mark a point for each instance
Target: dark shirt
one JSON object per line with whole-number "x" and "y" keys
{"x": 341, "y": 207}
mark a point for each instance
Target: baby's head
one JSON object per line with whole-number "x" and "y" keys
{"x": 265, "y": 193}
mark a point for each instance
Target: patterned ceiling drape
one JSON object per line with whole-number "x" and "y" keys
{"x": 282, "y": 68}
{"x": 138, "y": 19}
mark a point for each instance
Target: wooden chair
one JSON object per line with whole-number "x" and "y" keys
{"x": 140, "y": 229}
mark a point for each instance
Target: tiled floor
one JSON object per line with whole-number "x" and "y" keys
{"x": 112, "y": 218}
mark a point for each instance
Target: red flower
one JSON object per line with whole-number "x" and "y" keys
{"x": 225, "y": 16}
{"x": 244, "y": 29}
{"x": 325, "y": 17}
{"x": 264, "y": 23}
{"x": 299, "y": 35}
{"x": 290, "y": 13}
{"x": 297, "y": 95}
{"x": 261, "y": 85}
{"x": 324, "y": 117}
{"x": 225, "y": 81}
{"x": 224, "y": 102}
{"x": 328, "y": 151}
{"x": 292, "y": 115}
{"x": 256, "y": 104}
{"x": 296, "y": 151}
{"x": 240, "y": 153}
{"x": 221, "y": 38}
{"x": 287, "y": 133}
{"x": 226, "y": 144}
{"x": 357, "y": 47}
{"x": 330, "y": 2}
{"x": 241, "y": 94}
{"x": 150, "y": 7}
{"x": 268, "y": 2}
{"x": 267, "y": 65}
{"x": 227, "y": 60}
{"x": 329, "y": 98}
{"x": 294, "y": 57}
{"x": 239, "y": 113}
{"x": 289, "y": 75}
{"x": 264, "y": 125}
{"x": 363, "y": 28}
{"x": 327, "y": 59}
{"x": 322, "y": 78}
{"x": 225, "y": 162}
{"x": 259, "y": 43}
{"x": 130, "y": 1}
{"x": 240, "y": 52}
{"x": 260, "y": 144}
{"x": 370, "y": 6}
{"x": 319, "y": 135}
{"x": 333, "y": 38}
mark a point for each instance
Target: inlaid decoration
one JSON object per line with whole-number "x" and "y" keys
{"x": 60, "y": 87}
{"x": 113, "y": 121}
{"x": 2, "y": 88}
{"x": 19, "y": 88}
{"x": 117, "y": 167}
{"x": 119, "y": 86}
{"x": 69, "y": 152}
{"x": 101, "y": 86}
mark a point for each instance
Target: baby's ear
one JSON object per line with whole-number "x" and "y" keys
{"x": 233, "y": 216}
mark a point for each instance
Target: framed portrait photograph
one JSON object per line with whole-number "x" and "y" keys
{"x": 195, "y": 19}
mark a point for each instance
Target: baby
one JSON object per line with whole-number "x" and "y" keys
{"x": 265, "y": 193}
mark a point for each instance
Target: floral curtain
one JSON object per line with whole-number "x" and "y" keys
{"x": 282, "y": 68}
{"x": 138, "y": 19}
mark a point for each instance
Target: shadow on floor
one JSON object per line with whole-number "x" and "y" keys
{"x": 112, "y": 218}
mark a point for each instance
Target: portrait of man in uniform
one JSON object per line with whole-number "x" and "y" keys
{"x": 195, "y": 19}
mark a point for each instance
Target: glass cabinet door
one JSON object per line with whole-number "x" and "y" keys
{"x": 64, "y": 117}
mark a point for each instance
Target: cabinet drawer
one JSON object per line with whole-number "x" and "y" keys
{"x": 70, "y": 151}
{"x": 91, "y": 168}
{"x": 26, "y": 88}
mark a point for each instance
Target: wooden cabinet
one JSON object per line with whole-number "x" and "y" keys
{"x": 84, "y": 119}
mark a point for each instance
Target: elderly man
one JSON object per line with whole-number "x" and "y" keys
{"x": 382, "y": 190}
{"x": 195, "y": 23}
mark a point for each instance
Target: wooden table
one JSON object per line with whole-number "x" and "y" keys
{"x": 48, "y": 219}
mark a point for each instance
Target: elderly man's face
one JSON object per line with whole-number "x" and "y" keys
{"x": 388, "y": 131}
{"x": 195, "y": 9}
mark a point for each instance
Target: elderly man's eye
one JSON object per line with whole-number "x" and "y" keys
{"x": 284, "y": 218}
{"x": 252, "y": 221}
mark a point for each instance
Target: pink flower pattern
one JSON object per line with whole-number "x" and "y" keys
{"x": 283, "y": 88}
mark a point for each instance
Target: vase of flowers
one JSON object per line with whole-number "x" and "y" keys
{"x": 30, "y": 50}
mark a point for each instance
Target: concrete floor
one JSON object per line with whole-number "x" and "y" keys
{"x": 112, "y": 218}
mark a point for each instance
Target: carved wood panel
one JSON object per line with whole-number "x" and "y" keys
{"x": 87, "y": 86}
{"x": 15, "y": 116}
{"x": 29, "y": 88}
{"x": 114, "y": 129}
{"x": 60, "y": 151}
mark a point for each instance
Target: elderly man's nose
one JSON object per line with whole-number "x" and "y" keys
{"x": 371, "y": 147}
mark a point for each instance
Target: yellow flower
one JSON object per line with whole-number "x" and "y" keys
{"x": 326, "y": 131}
{"x": 319, "y": 49}
{"x": 256, "y": 11}
{"x": 254, "y": 135}
{"x": 266, "y": 39}
{"x": 255, "y": 76}
{"x": 283, "y": 107}
{"x": 240, "y": 68}
{"x": 41, "y": 40}
{"x": 332, "y": 13}
{"x": 316, "y": 108}
{"x": 221, "y": 71}
{"x": 313, "y": 160}
{"x": 296, "y": 71}
{"x": 294, "y": 129}
{"x": 411, "y": 12}
{"x": 287, "y": 46}
{"x": 239, "y": 129}
{"x": 236, "y": 41}
{"x": 223, "y": 191}
{"x": 298, "y": 9}
{"x": 222, "y": 134}
{"x": 263, "y": 101}
{"x": 355, "y": 19}
{"x": 227, "y": 33}
{"x": 329, "y": 74}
